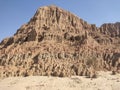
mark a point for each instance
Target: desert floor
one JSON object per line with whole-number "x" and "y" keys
{"x": 104, "y": 81}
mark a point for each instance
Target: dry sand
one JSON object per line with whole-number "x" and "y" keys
{"x": 104, "y": 81}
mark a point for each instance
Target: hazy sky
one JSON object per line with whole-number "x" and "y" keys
{"x": 14, "y": 13}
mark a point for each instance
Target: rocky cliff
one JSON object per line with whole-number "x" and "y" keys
{"x": 58, "y": 43}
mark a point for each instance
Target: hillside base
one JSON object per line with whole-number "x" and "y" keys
{"x": 104, "y": 81}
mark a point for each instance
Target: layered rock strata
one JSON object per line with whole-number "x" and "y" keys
{"x": 58, "y": 43}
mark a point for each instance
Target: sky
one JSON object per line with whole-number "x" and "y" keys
{"x": 15, "y": 13}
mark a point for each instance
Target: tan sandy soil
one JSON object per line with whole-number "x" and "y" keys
{"x": 104, "y": 81}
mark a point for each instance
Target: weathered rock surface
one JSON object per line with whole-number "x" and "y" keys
{"x": 58, "y": 43}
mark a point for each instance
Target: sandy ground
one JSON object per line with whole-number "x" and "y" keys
{"x": 104, "y": 81}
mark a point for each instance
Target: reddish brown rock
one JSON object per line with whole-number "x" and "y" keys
{"x": 56, "y": 42}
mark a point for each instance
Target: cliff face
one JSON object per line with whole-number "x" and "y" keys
{"x": 58, "y": 43}
{"x": 113, "y": 30}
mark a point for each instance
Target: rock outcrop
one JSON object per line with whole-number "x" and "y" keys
{"x": 113, "y": 30}
{"x": 58, "y": 43}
